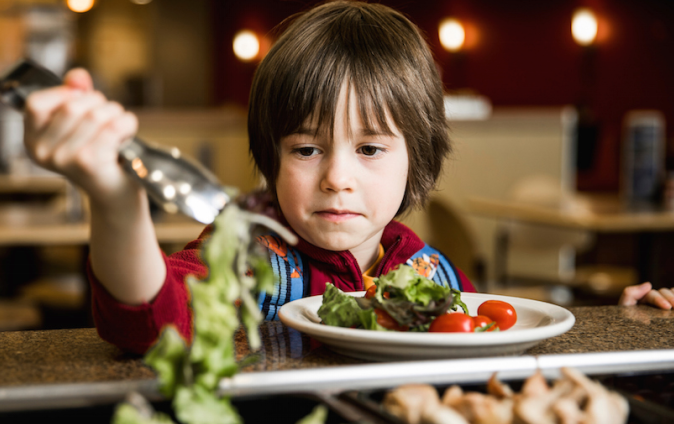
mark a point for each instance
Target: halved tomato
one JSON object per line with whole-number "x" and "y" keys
{"x": 387, "y": 321}
{"x": 452, "y": 322}
{"x": 502, "y": 312}
{"x": 482, "y": 321}
{"x": 370, "y": 292}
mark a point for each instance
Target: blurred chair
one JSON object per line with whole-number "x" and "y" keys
{"x": 538, "y": 252}
{"x": 19, "y": 315}
{"x": 452, "y": 235}
{"x": 519, "y": 245}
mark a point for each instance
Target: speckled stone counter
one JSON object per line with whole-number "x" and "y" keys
{"x": 80, "y": 356}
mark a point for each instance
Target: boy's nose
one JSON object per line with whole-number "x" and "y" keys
{"x": 338, "y": 175}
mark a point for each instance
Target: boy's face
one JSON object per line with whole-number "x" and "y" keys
{"x": 339, "y": 194}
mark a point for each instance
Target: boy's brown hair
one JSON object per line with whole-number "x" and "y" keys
{"x": 376, "y": 51}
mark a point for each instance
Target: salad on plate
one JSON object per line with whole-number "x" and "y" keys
{"x": 403, "y": 300}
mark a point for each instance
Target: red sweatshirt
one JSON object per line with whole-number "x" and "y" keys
{"x": 135, "y": 328}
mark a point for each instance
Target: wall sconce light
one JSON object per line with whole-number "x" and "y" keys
{"x": 452, "y": 34}
{"x": 80, "y": 6}
{"x": 584, "y": 26}
{"x": 246, "y": 45}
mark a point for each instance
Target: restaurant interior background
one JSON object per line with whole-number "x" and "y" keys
{"x": 557, "y": 188}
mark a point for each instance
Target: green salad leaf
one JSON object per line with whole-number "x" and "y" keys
{"x": 339, "y": 309}
{"x": 199, "y": 405}
{"x": 412, "y": 300}
{"x": 368, "y": 320}
{"x": 239, "y": 270}
{"x": 317, "y": 416}
{"x": 127, "y": 414}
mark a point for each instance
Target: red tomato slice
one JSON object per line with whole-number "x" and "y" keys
{"x": 387, "y": 321}
{"x": 482, "y": 321}
{"x": 453, "y": 322}
{"x": 502, "y": 312}
{"x": 370, "y": 292}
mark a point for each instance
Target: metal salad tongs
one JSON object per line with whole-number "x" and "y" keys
{"x": 175, "y": 182}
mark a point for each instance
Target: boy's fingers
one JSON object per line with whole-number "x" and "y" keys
{"x": 78, "y": 78}
{"x": 632, "y": 294}
{"x": 655, "y": 298}
{"x": 126, "y": 125}
{"x": 668, "y": 295}
{"x": 70, "y": 114}
{"x": 40, "y": 105}
{"x": 99, "y": 117}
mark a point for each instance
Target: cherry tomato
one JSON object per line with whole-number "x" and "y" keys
{"x": 387, "y": 321}
{"x": 503, "y": 313}
{"x": 453, "y": 322}
{"x": 370, "y": 292}
{"x": 482, "y": 321}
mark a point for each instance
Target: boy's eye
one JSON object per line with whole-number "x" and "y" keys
{"x": 305, "y": 151}
{"x": 369, "y": 150}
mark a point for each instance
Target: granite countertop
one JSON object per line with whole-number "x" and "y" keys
{"x": 30, "y": 358}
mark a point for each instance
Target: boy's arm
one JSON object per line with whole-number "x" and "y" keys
{"x": 124, "y": 252}
{"x": 75, "y": 131}
{"x": 135, "y": 328}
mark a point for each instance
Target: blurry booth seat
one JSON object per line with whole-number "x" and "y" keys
{"x": 63, "y": 300}
{"x": 518, "y": 242}
{"x": 490, "y": 156}
{"x": 66, "y": 291}
{"x": 452, "y": 235}
{"x": 19, "y": 315}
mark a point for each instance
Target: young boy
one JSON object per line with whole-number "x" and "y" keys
{"x": 346, "y": 124}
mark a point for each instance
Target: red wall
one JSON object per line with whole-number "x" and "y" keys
{"x": 518, "y": 52}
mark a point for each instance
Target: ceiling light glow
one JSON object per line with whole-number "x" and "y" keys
{"x": 246, "y": 45}
{"x": 452, "y": 34}
{"x": 584, "y": 27}
{"x": 80, "y": 6}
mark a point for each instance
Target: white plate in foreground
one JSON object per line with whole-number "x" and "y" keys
{"x": 536, "y": 321}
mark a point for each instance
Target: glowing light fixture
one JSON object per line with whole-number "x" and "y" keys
{"x": 452, "y": 34}
{"x": 141, "y": 1}
{"x": 80, "y": 6}
{"x": 584, "y": 27}
{"x": 246, "y": 45}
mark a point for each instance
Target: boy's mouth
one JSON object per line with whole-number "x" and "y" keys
{"x": 335, "y": 215}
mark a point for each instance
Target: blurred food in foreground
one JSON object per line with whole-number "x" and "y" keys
{"x": 574, "y": 398}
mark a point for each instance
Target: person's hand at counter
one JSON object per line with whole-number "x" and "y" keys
{"x": 644, "y": 293}
{"x": 75, "y": 131}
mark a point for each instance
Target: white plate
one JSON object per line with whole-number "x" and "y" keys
{"x": 536, "y": 321}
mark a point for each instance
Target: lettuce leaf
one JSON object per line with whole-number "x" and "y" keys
{"x": 339, "y": 309}
{"x": 238, "y": 271}
{"x": 413, "y": 300}
{"x": 409, "y": 298}
{"x": 368, "y": 320}
{"x": 317, "y": 416}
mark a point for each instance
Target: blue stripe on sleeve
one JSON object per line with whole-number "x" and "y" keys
{"x": 296, "y": 284}
{"x": 453, "y": 277}
{"x": 275, "y": 265}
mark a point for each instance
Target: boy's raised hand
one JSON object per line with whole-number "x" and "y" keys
{"x": 643, "y": 293}
{"x": 75, "y": 131}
